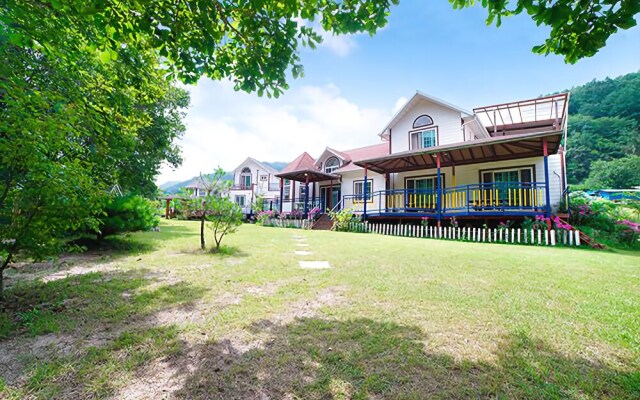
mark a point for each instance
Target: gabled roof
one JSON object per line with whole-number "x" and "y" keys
{"x": 302, "y": 162}
{"x": 262, "y": 165}
{"x": 333, "y": 152}
{"x": 413, "y": 101}
{"x": 363, "y": 153}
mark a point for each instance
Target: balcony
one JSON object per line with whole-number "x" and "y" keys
{"x": 483, "y": 199}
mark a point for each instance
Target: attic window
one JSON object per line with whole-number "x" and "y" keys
{"x": 331, "y": 165}
{"x": 423, "y": 120}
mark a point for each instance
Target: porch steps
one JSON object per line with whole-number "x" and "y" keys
{"x": 324, "y": 223}
{"x": 583, "y": 237}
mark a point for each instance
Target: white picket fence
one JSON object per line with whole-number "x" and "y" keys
{"x": 288, "y": 223}
{"x": 537, "y": 237}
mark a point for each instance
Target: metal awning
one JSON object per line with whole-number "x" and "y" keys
{"x": 313, "y": 175}
{"x": 472, "y": 152}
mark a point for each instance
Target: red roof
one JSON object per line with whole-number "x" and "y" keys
{"x": 303, "y": 161}
{"x": 363, "y": 153}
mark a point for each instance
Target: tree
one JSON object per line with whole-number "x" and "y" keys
{"x": 66, "y": 125}
{"x": 592, "y": 139}
{"x": 578, "y": 28}
{"x": 215, "y": 187}
{"x": 623, "y": 173}
{"x": 253, "y": 42}
{"x": 224, "y": 219}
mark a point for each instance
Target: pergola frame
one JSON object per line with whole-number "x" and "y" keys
{"x": 306, "y": 176}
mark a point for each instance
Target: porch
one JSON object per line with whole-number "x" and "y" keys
{"x": 479, "y": 200}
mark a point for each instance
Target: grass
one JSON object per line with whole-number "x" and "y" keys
{"x": 394, "y": 318}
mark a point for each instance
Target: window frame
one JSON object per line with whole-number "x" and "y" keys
{"x": 359, "y": 198}
{"x": 240, "y": 196}
{"x": 414, "y": 126}
{"x": 334, "y": 167}
{"x": 423, "y": 129}
{"x": 519, "y": 168}
{"x": 430, "y": 176}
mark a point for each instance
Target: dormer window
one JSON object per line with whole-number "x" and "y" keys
{"x": 423, "y": 120}
{"x": 331, "y": 165}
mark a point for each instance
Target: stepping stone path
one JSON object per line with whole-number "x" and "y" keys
{"x": 308, "y": 264}
{"x": 314, "y": 264}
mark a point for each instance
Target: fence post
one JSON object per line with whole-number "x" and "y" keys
{"x": 546, "y": 237}
{"x": 577, "y": 233}
{"x": 553, "y": 238}
{"x": 570, "y": 238}
{"x": 539, "y": 236}
{"x": 518, "y": 235}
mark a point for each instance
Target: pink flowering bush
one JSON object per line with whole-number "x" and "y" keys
{"x": 313, "y": 212}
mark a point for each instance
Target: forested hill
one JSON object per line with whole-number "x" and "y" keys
{"x": 604, "y": 117}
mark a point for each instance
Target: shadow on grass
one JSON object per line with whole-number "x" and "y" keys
{"x": 86, "y": 325}
{"x": 321, "y": 359}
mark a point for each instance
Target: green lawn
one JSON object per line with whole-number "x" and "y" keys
{"x": 394, "y": 318}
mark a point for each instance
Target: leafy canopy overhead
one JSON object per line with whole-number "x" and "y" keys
{"x": 579, "y": 28}
{"x": 254, "y": 42}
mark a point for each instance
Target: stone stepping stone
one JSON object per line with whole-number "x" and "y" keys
{"x": 302, "y": 244}
{"x": 300, "y": 238}
{"x": 302, "y": 252}
{"x": 314, "y": 264}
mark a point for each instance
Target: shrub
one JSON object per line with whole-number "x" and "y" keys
{"x": 127, "y": 214}
{"x": 343, "y": 220}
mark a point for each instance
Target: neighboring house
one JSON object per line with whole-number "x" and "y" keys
{"x": 253, "y": 179}
{"x": 438, "y": 160}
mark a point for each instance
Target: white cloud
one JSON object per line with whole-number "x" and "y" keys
{"x": 224, "y": 127}
{"x": 341, "y": 45}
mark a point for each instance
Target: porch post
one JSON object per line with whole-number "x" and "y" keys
{"x": 306, "y": 194}
{"x": 545, "y": 153}
{"x": 453, "y": 175}
{"x": 281, "y": 194}
{"x": 331, "y": 194}
{"x": 313, "y": 194}
{"x": 438, "y": 189}
{"x": 364, "y": 194}
{"x": 293, "y": 194}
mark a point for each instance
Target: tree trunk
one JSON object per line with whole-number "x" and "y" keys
{"x": 4, "y": 266}
{"x": 202, "y": 244}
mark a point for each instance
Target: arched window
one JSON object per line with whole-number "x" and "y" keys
{"x": 423, "y": 120}
{"x": 331, "y": 165}
{"x": 245, "y": 178}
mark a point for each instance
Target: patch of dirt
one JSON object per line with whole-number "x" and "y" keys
{"x": 308, "y": 308}
{"x": 79, "y": 270}
{"x": 157, "y": 380}
{"x": 39, "y": 348}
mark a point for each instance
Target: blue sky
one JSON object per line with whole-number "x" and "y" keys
{"x": 353, "y": 84}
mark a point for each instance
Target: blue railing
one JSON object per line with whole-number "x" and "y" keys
{"x": 480, "y": 198}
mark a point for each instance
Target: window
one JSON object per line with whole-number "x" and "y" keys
{"x": 424, "y": 139}
{"x": 245, "y": 178}
{"x": 423, "y": 120}
{"x": 421, "y": 184}
{"x": 331, "y": 165}
{"x": 358, "y": 191}
{"x": 240, "y": 200}
{"x": 504, "y": 180}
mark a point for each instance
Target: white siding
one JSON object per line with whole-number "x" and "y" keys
{"x": 447, "y": 120}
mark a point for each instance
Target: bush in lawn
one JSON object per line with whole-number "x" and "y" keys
{"x": 343, "y": 220}
{"x": 128, "y": 213}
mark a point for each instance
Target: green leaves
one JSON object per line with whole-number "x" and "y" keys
{"x": 253, "y": 42}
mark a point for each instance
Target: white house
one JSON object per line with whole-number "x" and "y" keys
{"x": 253, "y": 179}
{"x": 438, "y": 160}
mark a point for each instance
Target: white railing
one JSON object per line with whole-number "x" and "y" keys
{"x": 538, "y": 237}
